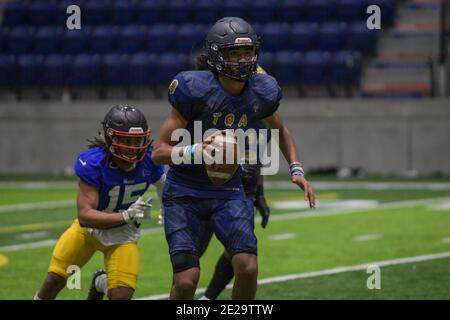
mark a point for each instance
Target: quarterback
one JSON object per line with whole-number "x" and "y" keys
{"x": 230, "y": 95}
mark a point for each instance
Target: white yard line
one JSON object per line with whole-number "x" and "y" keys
{"x": 327, "y": 185}
{"x": 276, "y": 217}
{"x": 332, "y": 271}
{"x": 37, "y": 205}
{"x": 318, "y": 185}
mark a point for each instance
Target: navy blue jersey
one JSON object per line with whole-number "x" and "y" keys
{"x": 117, "y": 189}
{"x": 198, "y": 96}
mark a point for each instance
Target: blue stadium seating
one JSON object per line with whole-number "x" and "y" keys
{"x": 96, "y": 12}
{"x": 304, "y": 36}
{"x": 275, "y": 36}
{"x": 42, "y": 12}
{"x": 132, "y": 39}
{"x": 189, "y": 38}
{"x": 314, "y": 66}
{"x": 350, "y": 10}
{"x": 205, "y": 11}
{"x": 15, "y": 13}
{"x": 178, "y": 11}
{"x": 263, "y": 11}
{"x": 20, "y": 40}
{"x": 169, "y": 65}
{"x": 150, "y": 12}
{"x": 76, "y": 41}
{"x": 7, "y": 70}
{"x": 142, "y": 68}
{"x": 30, "y": 68}
{"x": 320, "y": 10}
{"x": 56, "y": 66}
{"x": 104, "y": 38}
{"x": 345, "y": 67}
{"x": 48, "y": 40}
{"x": 292, "y": 10}
{"x": 114, "y": 69}
{"x": 332, "y": 36}
{"x": 287, "y": 66}
{"x": 85, "y": 70}
{"x": 147, "y": 42}
{"x": 160, "y": 38}
{"x": 123, "y": 12}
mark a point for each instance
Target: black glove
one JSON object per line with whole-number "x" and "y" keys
{"x": 263, "y": 209}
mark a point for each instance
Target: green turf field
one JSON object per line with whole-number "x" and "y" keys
{"x": 299, "y": 246}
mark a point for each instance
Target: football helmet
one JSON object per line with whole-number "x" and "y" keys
{"x": 126, "y": 133}
{"x": 226, "y": 34}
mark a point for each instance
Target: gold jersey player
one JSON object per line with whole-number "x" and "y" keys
{"x": 113, "y": 174}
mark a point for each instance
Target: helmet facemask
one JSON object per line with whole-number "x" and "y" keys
{"x": 129, "y": 146}
{"x": 219, "y": 58}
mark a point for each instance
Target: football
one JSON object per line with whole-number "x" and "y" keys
{"x": 226, "y": 152}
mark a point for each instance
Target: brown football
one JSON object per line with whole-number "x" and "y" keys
{"x": 223, "y": 170}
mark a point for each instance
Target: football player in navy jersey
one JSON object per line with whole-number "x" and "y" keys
{"x": 228, "y": 96}
{"x": 113, "y": 173}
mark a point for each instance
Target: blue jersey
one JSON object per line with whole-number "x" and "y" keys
{"x": 117, "y": 189}
{"x": 198, "y": 96}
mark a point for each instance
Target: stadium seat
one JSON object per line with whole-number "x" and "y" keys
{"x": 361, "y": 39}
{"x": 320, "y": 10}
{"x": 7, "y": 70}
{"x": 14, "y": 13}
{"x": 96, "y": 12}
{"x": 55, "y": 69}
{"x": 178, "y": 11}
{"x": 160, "y": 38}
{"x": 20, "y": 40}
{"x": 123, "y": 12}
{"x": 85, "y": 70}
{"x": 287, "y": 66}
{"x": 206, "y": 11}
{"x": 345, "y": 67}
{"x": 48, "y": 39}
{"x": 263, "y": 11}
{"x": 275, "y": 36}
{"x": 350, "y": 10}
{"x": 169, "y": 65}
{"x": 76, "y": 41}
{"x": 332, "y": 36}
{"x": 292, "y": 10}
{"x": 114, "y": 69}
{"x": 131, "y": 39}
{"x": 150, "y": 12}
{"x": 4, "y": 39}
{"x": 235, "y": 8}
{"x": 142, "y": 69}
{"x": 104, "y": 38}
{"x": 189, "y": 38}
{"x": 304, "y": 36}
{"x": 30, "y": 69}
{"x": 42, "y": 12}
{"x": 314, "y": 67}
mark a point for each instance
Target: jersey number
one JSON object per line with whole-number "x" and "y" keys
{"x": 128, "y": 198}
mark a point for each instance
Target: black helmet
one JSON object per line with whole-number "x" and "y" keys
{"x": 126, "y": 133}
{"x": 231, "y": 32}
